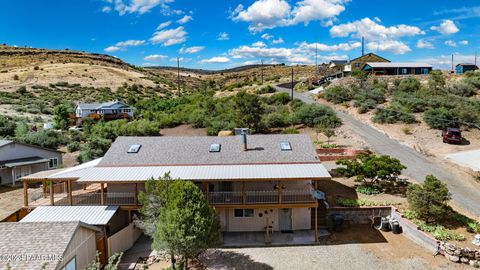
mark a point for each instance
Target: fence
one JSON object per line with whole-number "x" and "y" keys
{"x": 123, "y": 240}
{"x": 260, "y": 197}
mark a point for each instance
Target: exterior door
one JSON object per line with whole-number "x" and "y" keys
{"x": 285, "y": 219}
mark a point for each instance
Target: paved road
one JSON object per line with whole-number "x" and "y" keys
{"x": 464, "y": 194}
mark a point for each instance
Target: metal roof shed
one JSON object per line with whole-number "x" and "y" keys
{"x": 91, "y": 215}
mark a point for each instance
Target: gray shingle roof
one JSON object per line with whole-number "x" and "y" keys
{"x": 97, "y": 106}
{"x": 45, "y": 239}
{"x": 195, "y": 151}
{"x": 5, "y": 142}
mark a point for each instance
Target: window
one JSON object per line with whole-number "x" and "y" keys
{"x": 404, "y": 71}
{"x": 53, "y": 163}
{"x": 285, "y": 146}
{"x": 243, "y": 213}
{"x": 134, "y": 148}
{"x": 215, "y": 147}
{"x": 357, "y": 65}
{"x": 71, "y": 265}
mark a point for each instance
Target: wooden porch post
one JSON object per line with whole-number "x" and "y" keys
{"x": 102, "y": 194}
{"x": 52, "y": 201}
{"x": 44, "y": 188}
{"x": 206, "y": 191}
{"x": 136, "y": 194}
{"x": 244, "y": 195}
{"x": 25, "y": 193}
{"x": 316, "y": 216}
{"x": 70, "y": 197}
{"x": 280, "y": 192}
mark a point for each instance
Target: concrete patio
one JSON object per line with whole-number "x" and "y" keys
{"x": 257, "y": 239}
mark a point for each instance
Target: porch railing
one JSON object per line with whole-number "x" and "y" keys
{"x": 260, "y": 197}
{"x": 91, "y": 198}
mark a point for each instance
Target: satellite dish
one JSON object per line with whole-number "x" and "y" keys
{"x": 318, "y": 195}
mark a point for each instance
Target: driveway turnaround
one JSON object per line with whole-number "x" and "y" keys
{"x": 464, "y": 194}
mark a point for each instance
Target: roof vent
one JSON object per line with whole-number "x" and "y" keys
{"x": 134, "y": 148}
{"x": 285, "y": 146}
{"x": 215, "y": 147}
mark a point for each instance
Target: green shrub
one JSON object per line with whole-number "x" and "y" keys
{"x": 276, "y": 119}
{"x": 440, "y": 118}
{"x": 368, "y": 190}
{"x": 440, "y": 233}
{"x": 73, "y": 147}
{"x": 409, "y": 85}
{"x": 45, "y": 138}
{"x": 429, "y": 199}
{"x": 7, "y": 126}
{"x": 462, "y": 89}
{"x": 313, "y": 114}
{"x": 346, "y": 202}
{"x": 266, "y": 90}
{"x": 391, "y": 115}
{"x": 338, "y": 94}
{"x": 290, "y": 131}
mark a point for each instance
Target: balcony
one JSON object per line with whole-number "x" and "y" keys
{"x": 260, "y": 197}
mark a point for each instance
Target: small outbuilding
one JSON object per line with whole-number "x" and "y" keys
{"x": 464, "y": 67}
{"x": 397, "y": 68}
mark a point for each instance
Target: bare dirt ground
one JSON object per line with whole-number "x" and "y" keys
{"x": 11, "y": 199}
{"x": 184, "y": 130}
{"x": 73, "y": 73}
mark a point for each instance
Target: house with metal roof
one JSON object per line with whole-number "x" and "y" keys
{"x": 47, "y": 245}
{"x": 397, "y": 68}
{"x": 19, "y": 159}
{"x": 256, "y": 183}
{"x": 465, "y": 67}
{"x": 108, "y": 110}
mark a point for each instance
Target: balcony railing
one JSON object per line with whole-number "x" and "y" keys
{"x": 260, "y": 197}
{"x": 91, "y": 198}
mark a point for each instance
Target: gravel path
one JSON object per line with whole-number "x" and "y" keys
{"x": 464, "y": 194}
{"x": 341, "y": 257}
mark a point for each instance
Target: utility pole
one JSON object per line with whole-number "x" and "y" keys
{"x": 452, "y": 64}
{"x": 316, "y": 53}
{"x": 363, "y": 46}
{"x": 292, "y": 82}
{"x": 178, "y": 73}
{"x": 262, "y": 71}
{"x": 475, "y": 58}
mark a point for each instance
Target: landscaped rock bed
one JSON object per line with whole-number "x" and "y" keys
{"x": 460, "y": 255}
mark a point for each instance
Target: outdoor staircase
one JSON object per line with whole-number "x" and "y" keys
{"x": 321, "y": 217}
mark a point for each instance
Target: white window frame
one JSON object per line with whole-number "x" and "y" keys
{"x": 54, "y": 162}
{"x": 243, "y": 213}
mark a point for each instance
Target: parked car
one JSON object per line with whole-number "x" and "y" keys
{"x": 452, "y": 135}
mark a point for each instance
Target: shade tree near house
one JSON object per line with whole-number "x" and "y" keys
{"x": 371, "y": 169}
{"x": 178, "y": 218}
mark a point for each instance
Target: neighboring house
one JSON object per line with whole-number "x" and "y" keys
{"x": 337, "y": 63}
{"x": 256, "y": 183}
{"x": 108, "y": 110}
{"x": 358, "y": 63}
{"x": 47, "y": 245}
{"x": 462, "y": 68}
{"x": 18, "y": 160}
{"x": 397, "y": 68}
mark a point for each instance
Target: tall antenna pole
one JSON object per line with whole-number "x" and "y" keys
{"x": 316, "y": 52}
{"x": 262, "y": 71}
{"x": 475, "y": 58}
{"x": 178, "y": 73}
{"x": 363, "y": 46}
{"x": 292, "y": 82}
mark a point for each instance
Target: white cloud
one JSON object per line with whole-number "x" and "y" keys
{"x": 445, "y": 61}
{"x": 268, "y": 14}
{"x": 277, "y": 41}
{"x": 463, "y": 42}
{"x": 330, "y": 48}
{"x": 263, "y": 14}
{"x": 424, "y": 44}
{"x": 450, "y": 43}
{"x": 163, "y": 25}
{"x": 155, "y": 58}
{"x": 130, "y": 43}
{"x": 185, "y": 19}
{"x": 106, "y": 9}
{"x": 169, "y": 37}
{"x": 181, "y": 59}
{"x": 393, "y": 46}
{"x": 273, "y": 55}
{"x": 223, "y": 36}
{"x": 373, "y": 31}
{"x": 216, "y": 60}
{"x": 138, "y": 6}
{"x": 112, "y": 49}
{"x": 312, "y": 10}
{"x": 259, "y": 44}
{"x": 446, "y": 27}
{"x": 267, "y": 36}
{"x": 191, "y": 50}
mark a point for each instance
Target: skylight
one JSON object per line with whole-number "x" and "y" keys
{"x": 134, "y": 148}
{"x": 215, "y": 147}
{"x": 285, "y": 146}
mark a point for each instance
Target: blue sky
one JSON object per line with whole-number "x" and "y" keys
{"x": 215, "y": 34}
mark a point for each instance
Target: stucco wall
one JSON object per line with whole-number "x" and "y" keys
{"x": 82, "y": 247}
